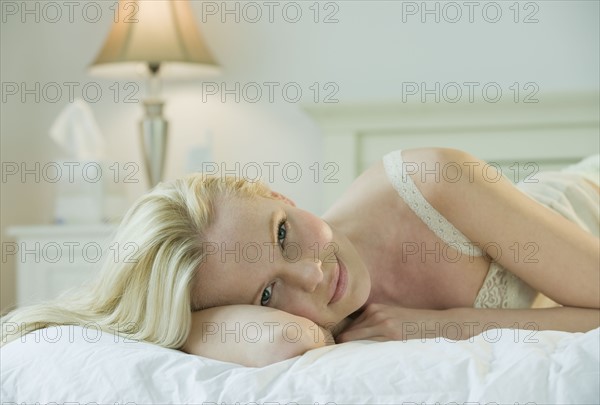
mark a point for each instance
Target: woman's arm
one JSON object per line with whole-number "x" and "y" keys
{"x": 491, "y": 212}
{"x": 383, "y": 322}
{"x": 251, "y": 335}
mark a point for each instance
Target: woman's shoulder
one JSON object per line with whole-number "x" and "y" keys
{"x": 377, "y": 182}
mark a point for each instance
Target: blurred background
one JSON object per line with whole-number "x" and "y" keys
{"x": 339, "y": 53}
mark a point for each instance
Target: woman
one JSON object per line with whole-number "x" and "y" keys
{"x": 425, "y": 243}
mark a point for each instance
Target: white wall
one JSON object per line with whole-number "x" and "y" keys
{"x": 368, "y": 53}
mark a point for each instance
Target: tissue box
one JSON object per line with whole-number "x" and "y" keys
{"x": 80, "y": 193}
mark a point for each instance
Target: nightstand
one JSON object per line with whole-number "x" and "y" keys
{"x": 52, "y": 258}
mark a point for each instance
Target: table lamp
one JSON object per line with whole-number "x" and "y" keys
{"x": 154, "y": 39}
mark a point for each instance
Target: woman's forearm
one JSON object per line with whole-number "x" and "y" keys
{"x": 473, "y": 321}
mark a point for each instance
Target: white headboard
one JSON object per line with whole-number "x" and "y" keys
{"x": 554, "y": 132}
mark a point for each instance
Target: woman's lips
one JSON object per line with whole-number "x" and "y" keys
{"x": 340, "y": 281}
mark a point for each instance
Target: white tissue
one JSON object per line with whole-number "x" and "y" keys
{"x": 77, "y": 132}
{"x": 79, "y": 198}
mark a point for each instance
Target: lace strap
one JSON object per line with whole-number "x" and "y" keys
{"x": 404, "y": 185}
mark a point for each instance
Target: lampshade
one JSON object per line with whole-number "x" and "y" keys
{"x": 154, "y": 32}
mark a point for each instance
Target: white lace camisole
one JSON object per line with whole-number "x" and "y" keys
{"x": 565, "y": 192}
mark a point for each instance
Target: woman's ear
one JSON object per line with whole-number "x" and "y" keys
{"x": 283, "y": 198}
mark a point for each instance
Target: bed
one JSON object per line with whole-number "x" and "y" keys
{"x": 71, "y": 364}
{"x": 500, "y": 366}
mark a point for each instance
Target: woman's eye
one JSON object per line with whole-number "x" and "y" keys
{"x": 266, "y": 295}
{"x": 281, "y": 233}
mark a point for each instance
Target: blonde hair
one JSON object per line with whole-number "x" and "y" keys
{"x": 149, "y": 296}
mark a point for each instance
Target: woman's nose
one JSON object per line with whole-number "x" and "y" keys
{"x": 306, "y": 274}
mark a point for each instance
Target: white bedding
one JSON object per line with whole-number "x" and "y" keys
{"x": 500, "y": 366}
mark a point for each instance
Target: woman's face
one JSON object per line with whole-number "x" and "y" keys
{"x": 268, "y": 252}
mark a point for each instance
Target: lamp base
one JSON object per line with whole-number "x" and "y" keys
{"x": 154, "y": 134}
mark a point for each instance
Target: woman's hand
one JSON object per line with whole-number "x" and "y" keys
{"x": 385, "y": 322}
